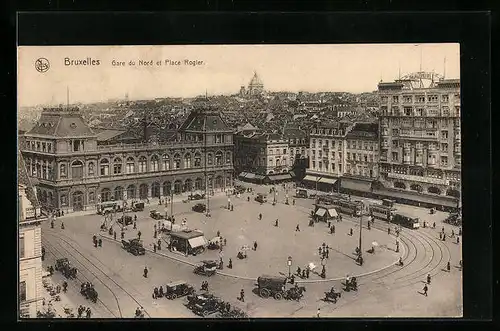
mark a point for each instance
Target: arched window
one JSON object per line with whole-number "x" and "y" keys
{"x": 177, "y": 161}
{"x": 278, "y": 162}
{"x": 228, "y": 158}
{"x": 91, "y": 169}
{"x": 62, "y": 171}
{"x": 77, "y": 170}
{"x": 197, "y": 159}
{"x": 210, "y": 159}
{"x": 218, "y": 182}
{"x": 187, "y": 160}
{"x": 131, "y": 192}
{"x": 64, "y": 200}
{"x": 400, "y": 185}
{"x": 177, "y": 187}
{"x": 143, "y": 191}
{"x": 117, "y": 166}
{"x": 188, "y": 184}
{"x": 91, "y": 197}
{"x": 218, "y": 158}
{"x": 118, "y": 193}
{"x": 104, "y": 167}
{"x": 143, "y": 164}
{"x": 453, "y": 193}
{"x": 155, "y": 190}
{"x": 434, "y": 190}
{"x": 154, "y": 163}
{"x": 165, "y": 162}
{"x": 130, "y": 166}
{"x": 167, "y": 188}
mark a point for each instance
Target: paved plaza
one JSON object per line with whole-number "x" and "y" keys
{"x": 384, "y": 289}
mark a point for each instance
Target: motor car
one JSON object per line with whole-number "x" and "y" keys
{"x": 261, "y": 198}
{"x": 199, "y": 208}
{"x": 196, "y": 196}
{"x": 178, "y": 289}
{"x": 206, "y": 268}
{"x": 134, "y": 246}
{"x": 155, "y": 215}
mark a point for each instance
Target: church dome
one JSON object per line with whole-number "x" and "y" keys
{"x": 256, "y": 80}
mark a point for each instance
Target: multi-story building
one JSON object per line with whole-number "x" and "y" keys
{"x": 30, "y": 248}
{"x": 362, "y": 150}
{"x": 260, "y": 155}
{"x": 327, "y": 153}
{"x": 75, "y": 168}
{"x": 255, "y": 87}
{"x": 420, "y": 145}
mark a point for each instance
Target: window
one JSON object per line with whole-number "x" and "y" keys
{"x": 130, "y": 166}
{"x": 91, "y": 197}
{"x": 348, "y": 156}
{"x": 444, "y": 98}
{"x": 314, "y": 164}
{"x": 91, "y": 169}
{"x": 366, "y": 158}
{"x": 444, "y": 134}
{"x": 154, "y": 163}
{"x": 117, "y": 166}
{"x": 77, "y": 170}
{"x": 43, "y": 147}
{"x": 62, "y": 171}
{"x": 420, "y": 98}
{"x": 38, "y": 146}
{"x": 395, "y": 99}
{"x": 64, "y": 200}
{"x": 21, "y": 246}
{"x": 394, "y": 157}
{"x": 197, "y": 160}
{"x": 333, "y": 154}
{"x": 432, "y": 98}
{"x": 177, "y": 161}
{"x": 76, "y": 145}
{"x": 104, "y": 167}
{"x": 444, "y": 147}
{"x": 444, "y": 160}
{"x": 218, "y": 138}
{"x": 284, "y": 150}
{"x": 22, "y": 291}
{"x": 165, "y": 162}
{"x": 407, "y": 99}
{"x": 228, "y": 157}
{"x": 187, "y": 160}
{"x": 408, "y": 111}
{"x": 210, "y": 159}
{"x": 143, "y": 164}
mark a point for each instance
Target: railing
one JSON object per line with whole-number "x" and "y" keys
{"x": 428, "y": 180}
{"x": 174, "y": 145}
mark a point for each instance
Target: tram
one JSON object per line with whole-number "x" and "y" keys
{"x": 353, "y": 208}
{"x": 406, "y": 220}
{"x": 381, "y": 211}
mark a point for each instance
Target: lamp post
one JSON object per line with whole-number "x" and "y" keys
{"x": 323, "y": 270}
{"x": 289, "y": 263}
{"x": 274, "y": 191}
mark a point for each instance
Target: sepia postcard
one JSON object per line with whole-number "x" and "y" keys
{"x": 239, "y": 181}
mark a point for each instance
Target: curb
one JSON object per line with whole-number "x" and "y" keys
{"x": 254, "y": 279}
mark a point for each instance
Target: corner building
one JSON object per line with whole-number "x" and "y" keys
{"x": 75, "y": 168}
{"x": 420, "y": 144}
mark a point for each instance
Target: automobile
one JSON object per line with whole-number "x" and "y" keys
{"x": 262, "y": 198}
{"x": 239, "y": 189}
{"x": 137, "y": 206}
{"x": 196, "y": 196}
{"x": 155, "y": 215}
{"x": 301, "y": 193}
{"x": 65, "y": 268}
{"x": 128, "y": 220}
{"x": 205, "y": 304}
{"x": 178, "y": 289}
{"x": 206, "y": 268}
{"x": 271, "y": 286}
{"x": 134, "y": 246}
{"x": 199, "y": 208}
{"x": 454, "y": 219}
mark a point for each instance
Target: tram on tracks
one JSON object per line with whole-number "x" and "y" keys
{"x": 383, "y": 212}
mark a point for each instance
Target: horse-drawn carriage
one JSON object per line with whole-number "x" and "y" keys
{"x": 89, "y": 292}
{"x": 295, "y": 293}
{"x": 332, "y": 296}
{"x": 351, "y": 284}
{"x": 66, "y": 269}
{"x": 206, "y": 268}
{"x": 271, "y": 286}
{"x": 214, "y": 243}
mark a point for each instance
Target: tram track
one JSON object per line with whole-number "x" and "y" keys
{"x": 79, "y": 276}
{"x": 101, "y": 279}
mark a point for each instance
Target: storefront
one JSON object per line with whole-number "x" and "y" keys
{"x": 188, "y": 243}
{"x": 325, "y": 213}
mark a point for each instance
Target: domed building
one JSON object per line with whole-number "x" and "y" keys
{"x": 255, "y": 87}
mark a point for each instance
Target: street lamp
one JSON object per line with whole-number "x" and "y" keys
{"x": 289, "y": 263}
{"x": 274, "y": 200}
{"x": 323, "y": 270}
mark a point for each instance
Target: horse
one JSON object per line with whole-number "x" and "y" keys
{"x": 295, "y": 293}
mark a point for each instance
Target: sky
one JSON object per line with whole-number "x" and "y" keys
{"x": 351, "y": 68}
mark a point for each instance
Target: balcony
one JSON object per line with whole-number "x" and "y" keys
{"x": 421, "y": 179}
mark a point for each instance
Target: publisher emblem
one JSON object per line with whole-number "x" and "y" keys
{"x": 42, "y": 65}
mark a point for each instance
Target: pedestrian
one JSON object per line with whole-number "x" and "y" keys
{"x": 340, "y": 218}
{"x": 145, "y": 272}
{"x": 428, "y": 279}
{"x": 448, "y": 266}
{"x": 254, "y": 245}
{"x": 425, "y": 225}
{"x": 434, "y": 225}
{"x": 460, "y": 264}
{"x": 242, "y": 295}
{"x": 218, "y": 233}
{"x": 122, "y": 235}
{"x": 139, "y": 234}
{"x": 114, "y": 235}
{"x": 62, "y": 225}
{"x": 425, "y": 289}
{"x": 307, "y": 272}
{"x": 100, "y": 242}
{"x": 135, "y": 225}
{"x": 458, "y": 240}
{"x": 276, "y": 222}
{"x": 154, "y": 226}
{"x": 442, "y": 230}
{"x": 444, "y": 236}
{"x": 155, "y": 235}
{"x": 95, "y": 243}
{"x": 297, "y": 228}
{"x": 230, "y": 264}
{"x": 225, "y": 242}
{"x": 318, "y": 312}
{"x": 161, "y": 292}
{"x": 327, "y": 251}
{"x": 304, "y": 273}
{"x": 397, "y": 246}
{"x": 52, "y": 224}
{"x": 62, "y": 212}
{"x": 460, "y": 231}
{"x": 350, "y": 232}
{"x": 440, "y": 236}
{"x": 89, "y": 313}
{"x": 333, "y": 228}
{"x": 159, "y": 245}
{"x": 369, "y": 228}
{"x": 319, "y": 250}
{"x": 154, "y": 247}
{"x": 293, "y": 202}
{"x": 389, "y": 231}
{"x": 260, "y": 217}
{"x": 80, "y": 311}
{"x": 248, "y": 199}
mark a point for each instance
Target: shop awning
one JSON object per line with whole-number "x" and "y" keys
{"x": 328, "y": 180}
{"x": 243, "y": 174}
{"x": 250, "y": 176}
{"x": 333, "y": 212}
{"x": 279, "y": 177}
{"x": 320, "y": 212}
{"x": 311, "y": 178}
{"x": 356, "y": 184}
{"x": 259, "y": 176}
{"x": 418, "y": 197}
{"x": 197, "y": 241}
